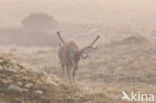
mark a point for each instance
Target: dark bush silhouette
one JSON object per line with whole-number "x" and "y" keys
{"x": 39, "y": 22}
{"x": 134, "y": 40}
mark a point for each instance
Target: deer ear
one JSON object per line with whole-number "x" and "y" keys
{"x": 84, "y": 56}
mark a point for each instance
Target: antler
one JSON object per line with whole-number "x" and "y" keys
{"x": 90, "y": 46}
{"x": 58, "y": 33}
{"x": 84, "y": 57}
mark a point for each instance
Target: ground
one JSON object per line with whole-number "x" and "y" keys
{"x": 125, "y": 65}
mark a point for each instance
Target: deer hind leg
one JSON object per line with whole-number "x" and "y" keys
{"x": 63, "y": 70}
{"x": 68, "y": 72}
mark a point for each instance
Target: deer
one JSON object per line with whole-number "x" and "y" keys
{"x": 70, "y": 54}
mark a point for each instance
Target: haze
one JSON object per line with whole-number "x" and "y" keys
{"x": 123, "y": 58}
{"x": 136, "y": 12}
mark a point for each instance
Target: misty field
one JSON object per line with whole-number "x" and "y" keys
{"x": 125, "y": 65}
{"x": 122, "y": 61}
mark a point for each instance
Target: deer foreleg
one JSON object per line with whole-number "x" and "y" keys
{"x": 68, "y": 72}
{"x": 74, "y": 72}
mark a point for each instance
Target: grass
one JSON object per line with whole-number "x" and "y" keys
{"x": 101, "y": 78}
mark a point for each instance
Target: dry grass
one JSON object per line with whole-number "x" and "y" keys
{"x": 102, "y": 77}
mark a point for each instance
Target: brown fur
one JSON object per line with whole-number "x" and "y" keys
{"x": 74, "y": 46}
{"x": 69, "y": 59}
{"x": 69, "y": 55}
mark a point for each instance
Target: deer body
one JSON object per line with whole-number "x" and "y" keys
{"x": 69, "y": 60}
{"x": 69, "y": 55}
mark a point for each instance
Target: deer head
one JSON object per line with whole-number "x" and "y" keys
{"x": 82, "y": 53}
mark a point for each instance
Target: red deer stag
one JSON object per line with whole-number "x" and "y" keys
{"x": 69, "y": 55}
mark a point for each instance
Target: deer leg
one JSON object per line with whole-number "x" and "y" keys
{"x": 68, "y": 72}
{"x": 63, "y": 70}
{"x": 74, "y": 71}
{"x": 70, "y": 77}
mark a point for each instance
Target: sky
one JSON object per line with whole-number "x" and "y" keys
{"x": 79, "y": 11}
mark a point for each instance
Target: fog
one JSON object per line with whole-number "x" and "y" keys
{"x": 113, "y": 48}
{"x": 113, "y": 19}
{"x": 81, "y": 11}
